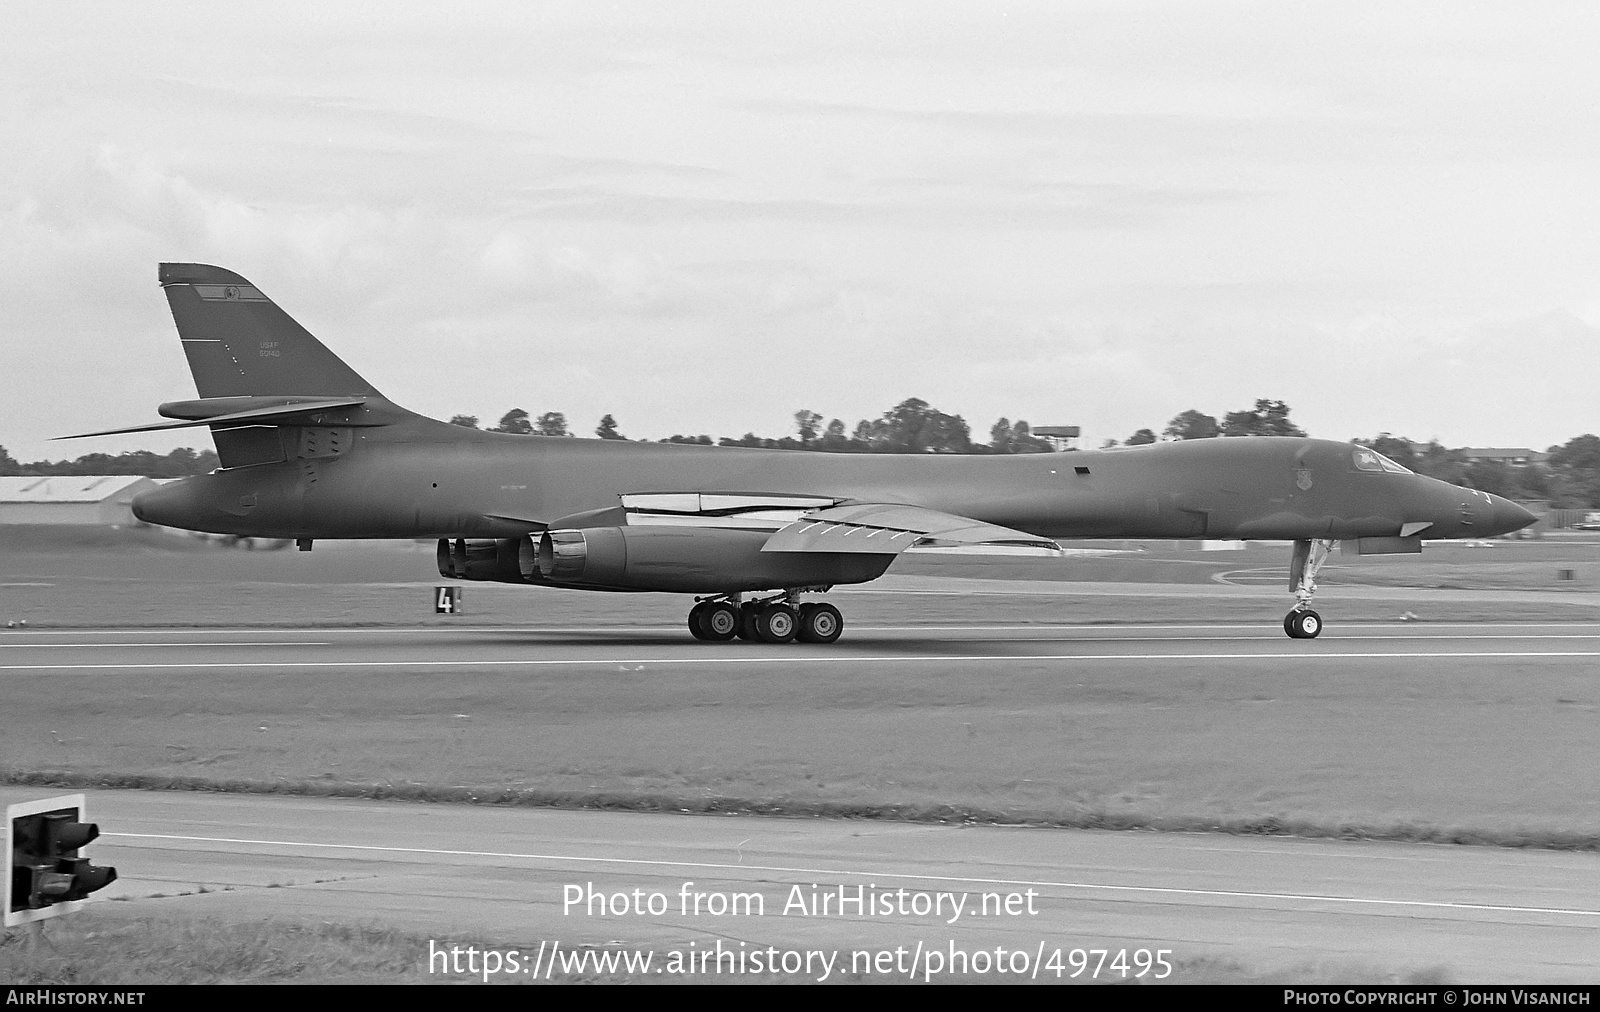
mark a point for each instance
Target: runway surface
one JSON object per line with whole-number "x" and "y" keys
{"x": 463, "y": 875}
{"x": 1353, "y": 644}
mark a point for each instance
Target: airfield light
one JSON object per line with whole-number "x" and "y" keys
{"x": 45, "y": 876}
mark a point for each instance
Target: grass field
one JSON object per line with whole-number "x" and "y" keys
{"x": 101, "y": 947}
{"x": 108, "y": 946}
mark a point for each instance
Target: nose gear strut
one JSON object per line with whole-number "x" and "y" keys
{"x": 1302, "y": 623}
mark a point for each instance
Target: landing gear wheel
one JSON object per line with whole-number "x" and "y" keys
{"x": 747, "y": 621}
{"x": 697, "y": 616}
{"x": 819, "y": 623}
{"x": 777, "y": 623}
{"x": 719, "y": 621}
{"x": 1302, "y": 624}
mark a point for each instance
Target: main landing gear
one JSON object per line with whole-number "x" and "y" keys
{"x": 774, "y": 620}
{"x": 1303, "y": 623}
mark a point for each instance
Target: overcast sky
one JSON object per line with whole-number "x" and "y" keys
{"x": 704, "y": 217}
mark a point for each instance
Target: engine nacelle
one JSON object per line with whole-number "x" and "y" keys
{"x": 473, "y": 559}
{"x": 692, "y": 560}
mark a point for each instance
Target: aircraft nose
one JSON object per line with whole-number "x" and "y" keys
{"x": 1507, "y": 516}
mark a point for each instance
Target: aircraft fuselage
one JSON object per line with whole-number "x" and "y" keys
{"x": 420, "y": 478}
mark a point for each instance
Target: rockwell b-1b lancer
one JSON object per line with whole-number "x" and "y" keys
{"x": 311, "y": 450}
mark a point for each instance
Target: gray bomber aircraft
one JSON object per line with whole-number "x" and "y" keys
{"x": 310, "y": 450}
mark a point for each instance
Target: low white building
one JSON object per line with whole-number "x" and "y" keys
{"x": 1517, "y": 456}
{"x": 89, "y": 499}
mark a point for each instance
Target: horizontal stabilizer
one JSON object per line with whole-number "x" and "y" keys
{"x": 298, "y": 413}
{"x": 889, "y": 529}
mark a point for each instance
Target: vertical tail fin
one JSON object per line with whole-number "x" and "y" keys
{"x": 239, "y": 342}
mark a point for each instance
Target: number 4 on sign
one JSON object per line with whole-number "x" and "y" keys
{"x": 447, "y": 600}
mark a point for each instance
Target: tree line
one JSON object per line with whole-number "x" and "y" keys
{"x": 1267, "y": 418}
{"x": 915, "y": 426}
{"x": 912, "y": 426}
{"x": 180, "y": 463}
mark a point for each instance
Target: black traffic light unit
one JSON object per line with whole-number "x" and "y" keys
{"x": 44, "y": 874}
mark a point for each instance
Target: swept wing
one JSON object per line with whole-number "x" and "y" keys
{"x": 891, "y": 528}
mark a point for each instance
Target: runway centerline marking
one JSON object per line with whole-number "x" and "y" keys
{"x": 722, "y": 866}
{"x": 810, "y": 659}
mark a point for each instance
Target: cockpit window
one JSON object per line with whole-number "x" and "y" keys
{"x": 1368, "y": 459}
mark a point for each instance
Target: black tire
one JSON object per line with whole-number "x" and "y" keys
{"x": 747, "y": 621}
{"x": 777, "y": 623}
{"x": 697, "y": 617}
{"x": 720, "y": 621}
{"x": 1303, "y": 624}
{"x": 820, "y": 623}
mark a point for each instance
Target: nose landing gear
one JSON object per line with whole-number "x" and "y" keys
{"x": 1302, "y": 623}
